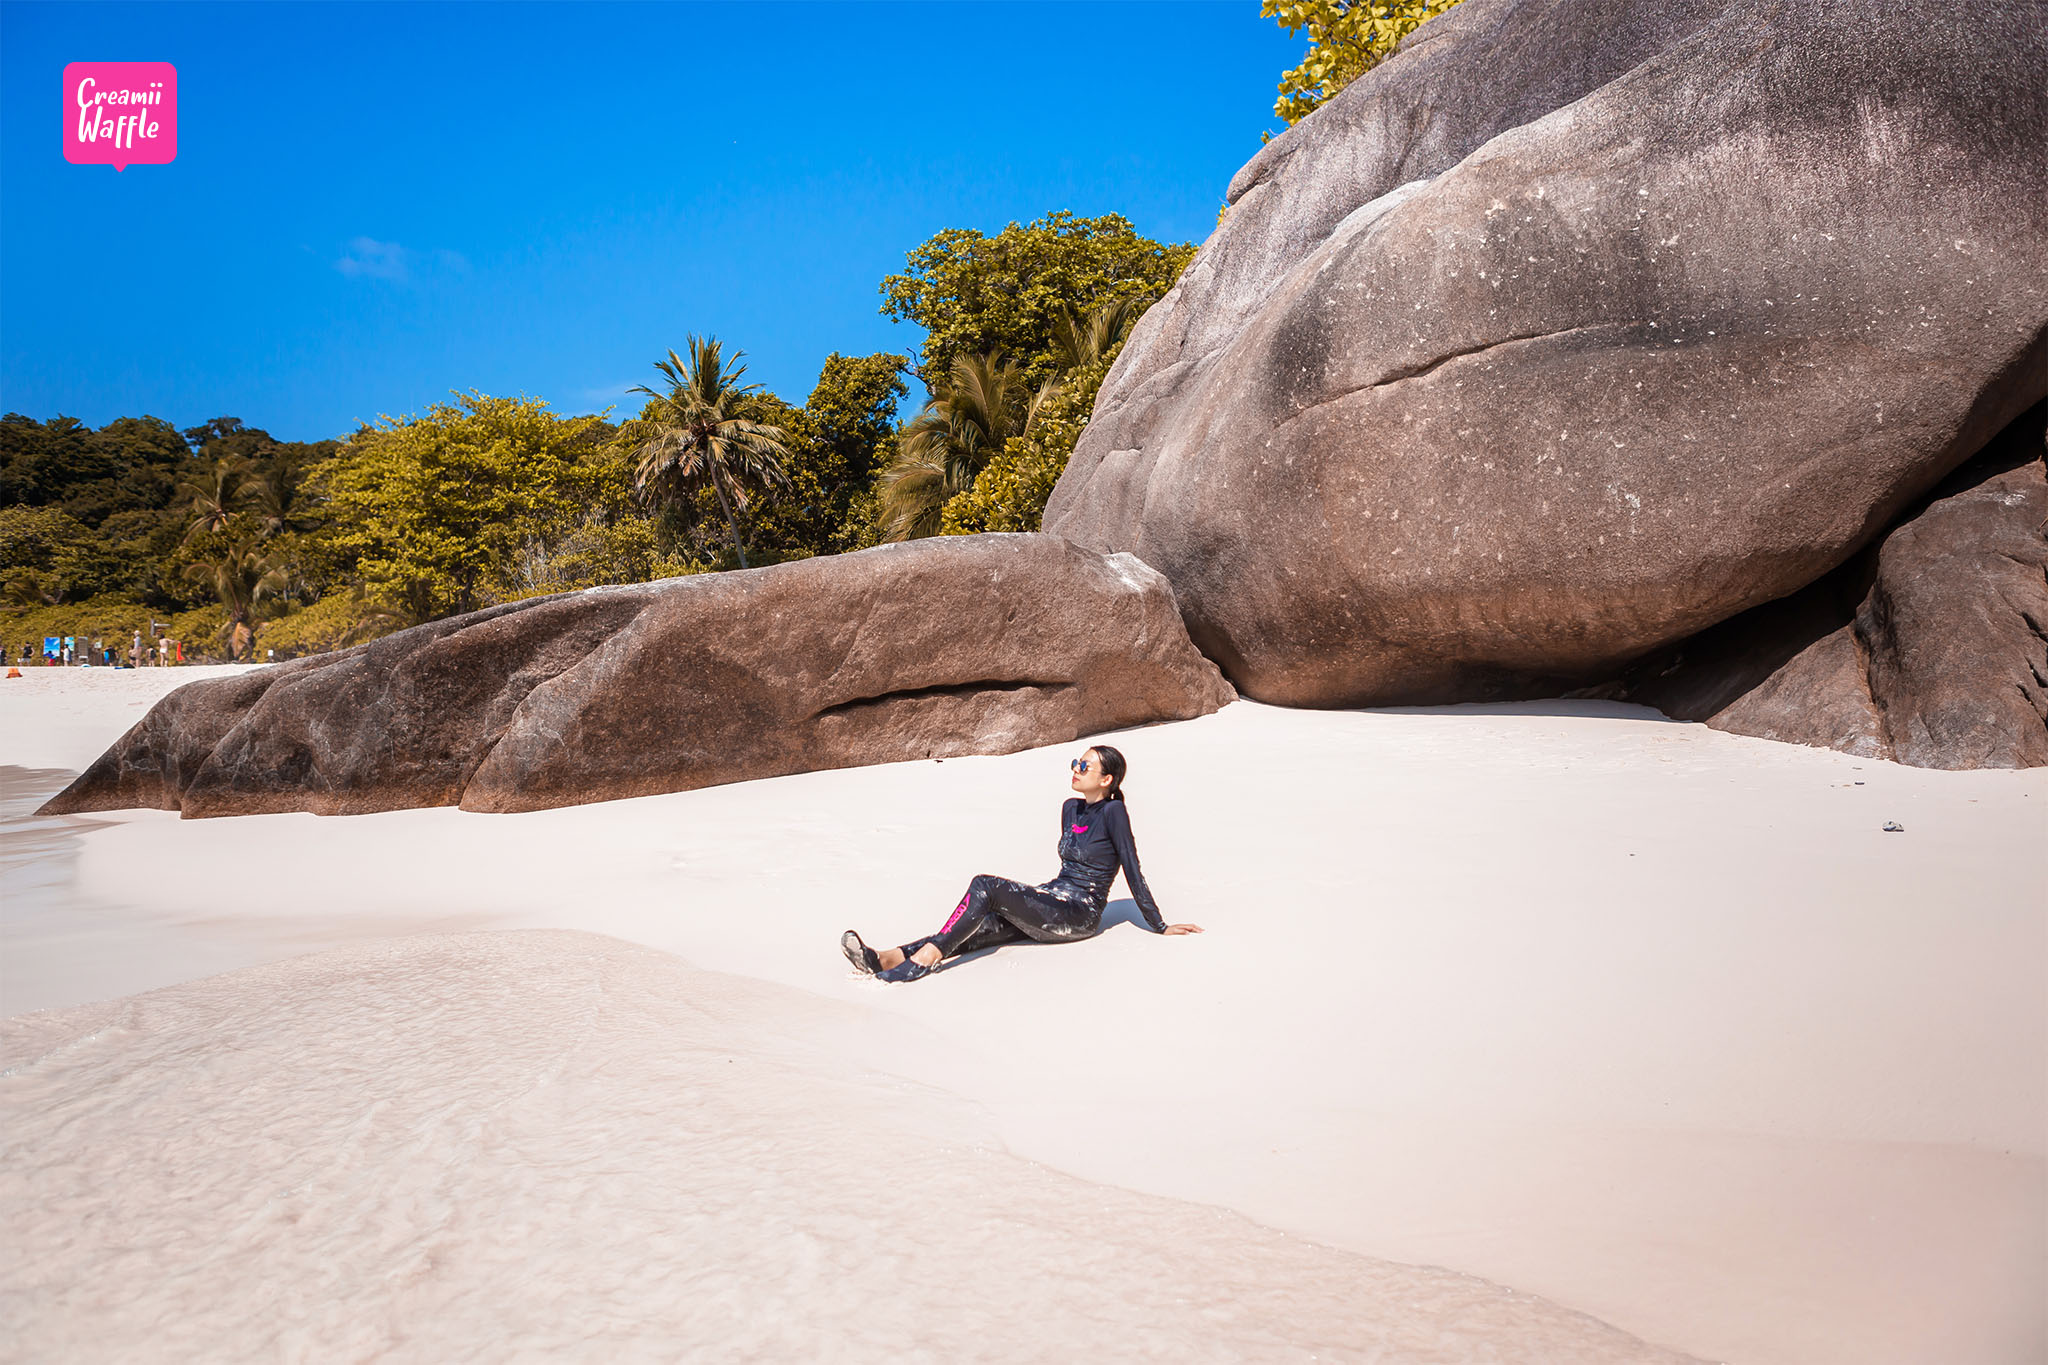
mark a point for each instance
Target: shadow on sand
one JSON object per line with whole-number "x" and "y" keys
{"x": 1583, "y": 708}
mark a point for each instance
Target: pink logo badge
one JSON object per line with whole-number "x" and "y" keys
{"x": 120, "y": 114}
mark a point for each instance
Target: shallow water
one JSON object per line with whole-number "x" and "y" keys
{"x": 66, "y": 937}
{"x": 56, "y": 932}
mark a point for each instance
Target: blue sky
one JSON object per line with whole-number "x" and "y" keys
{"x": 374, "y": 204}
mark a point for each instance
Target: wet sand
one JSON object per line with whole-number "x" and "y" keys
{"x": 1651, "y": 1022}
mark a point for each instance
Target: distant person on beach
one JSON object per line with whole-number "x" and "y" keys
{"x": 1095, "y": 840}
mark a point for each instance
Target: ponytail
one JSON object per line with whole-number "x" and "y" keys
{"x": 1113, "y": 764}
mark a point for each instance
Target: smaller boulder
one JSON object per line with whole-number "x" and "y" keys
{"x": 1931, "y": 649}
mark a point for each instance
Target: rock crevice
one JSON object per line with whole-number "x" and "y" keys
{"x": 1927, "y": 649}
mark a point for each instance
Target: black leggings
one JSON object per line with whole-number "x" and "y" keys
{"x": 996, "y": 910}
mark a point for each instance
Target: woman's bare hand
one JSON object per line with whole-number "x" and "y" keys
{"x": 1182, "y": 929}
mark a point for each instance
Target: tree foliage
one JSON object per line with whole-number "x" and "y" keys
{"x": 213, "y": 496}
{"x": 1346, "y": 39}
{"x": 131, "y": 464}
{"x": 243, "y": 578}
{"x": 982, "y": 403}
{"x": 850, "y": 426}
{"x": 836, "y": 442}
{"x": 121, "y": 485}
{"x": 850, "y": 418}
{"x": 481, "y": 501}
{"x": 432, "y": 513}
{"x": 41, "y": 550}
{"x": 1010, "y": 492}
{"x": 1006, "y": 294}
{"x": 699, "y": 433}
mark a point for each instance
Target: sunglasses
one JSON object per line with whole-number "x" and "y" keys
{"x": 1079, "y": 765}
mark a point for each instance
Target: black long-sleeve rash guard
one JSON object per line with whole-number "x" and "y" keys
{"x": 1094, "y": 841}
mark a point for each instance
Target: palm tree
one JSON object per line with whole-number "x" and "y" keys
{"x": 279, "y": 500}
{"x": 699, "y": 437}
{"x": 242, "y": 578}
{"x": 27, "y": 588}
{"x": 215, "y": 496}
{"x": 1080, "y": 341}
{"x": 981, "y": 406}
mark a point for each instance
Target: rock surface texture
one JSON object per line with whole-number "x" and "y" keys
{"x": 1581, "y": 326}
{"x": 1930, "y": 648}
{"x": 959, "y": 645}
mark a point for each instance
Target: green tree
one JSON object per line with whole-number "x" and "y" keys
{"x": 131, "y": 463}
{"x": 1346, "y": 39}
{"x": 1080, "y": 341}
{"x": 213, "y": 496}
{"x": 613, "y": 539}
{"x": 118, "y": 484}
{"x": 850, "y": 423}
{"x": 242, "y": 578}
{"x": 37, "y": 549}
{"x": 788, "y": 518}
{"x": 281, "y": 498}
{"x": 1007, "y": 294}
{"x": 53, "y": 463}
{"x": 344, "y": 617}
{"x": 274, "y": 501}
{"x": 842, "y": 435}
{"x": 225, "y": 436}
{"x": 432, "y": 514}
{"x": 852, "y": 411}
{"x": 983, "y": 403}
{"x": 123, "y": 483}
{"x": 697, "y": 435}
{"x": 851, "y": 416}
{"x": 1010, "y": 491}
{"x": 48, "y": 557}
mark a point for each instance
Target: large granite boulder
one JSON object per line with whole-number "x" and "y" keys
{"x": 958, "y": 645}
{"x": 1930, "y": 648}
{"x": 1578, "y": 327}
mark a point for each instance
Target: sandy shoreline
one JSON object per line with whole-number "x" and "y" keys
{"x": 1651, "y": 1021}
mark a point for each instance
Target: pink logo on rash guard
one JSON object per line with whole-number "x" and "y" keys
{"x": 1079, "y": 829}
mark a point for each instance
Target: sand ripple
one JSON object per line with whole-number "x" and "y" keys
{"x": 542, "y": 1144}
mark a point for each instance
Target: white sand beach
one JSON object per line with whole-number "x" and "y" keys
{"x": 1556, "y": 1031}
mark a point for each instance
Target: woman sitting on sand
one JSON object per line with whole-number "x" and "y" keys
{"x": 1095, "y": 839}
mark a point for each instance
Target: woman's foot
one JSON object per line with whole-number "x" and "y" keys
{"x": 918, "y": 964}
{"x": 863, "y": 958}
{"x": 893, "y": 957}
